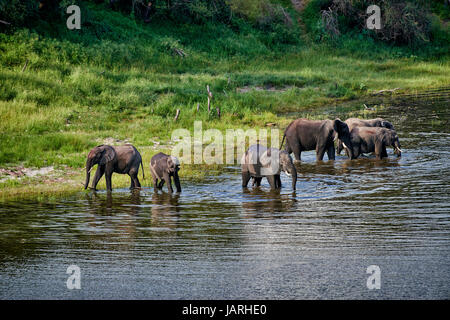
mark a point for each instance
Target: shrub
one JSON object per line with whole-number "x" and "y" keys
{"x": 404, "y": 22}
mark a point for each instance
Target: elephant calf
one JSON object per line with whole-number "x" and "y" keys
{"x": 258, "y": 162}
{"x": 120, "y": 159}
{"x": 367, "y": 140}
{"x": 163, "y": 168}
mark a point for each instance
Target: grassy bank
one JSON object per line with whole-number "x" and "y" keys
{"x": 63, "y": 92}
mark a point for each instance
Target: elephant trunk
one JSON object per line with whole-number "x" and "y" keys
{"x": 176, "y": 178}
{"x": 294, "y": 178}
{"x": 349, "y": 147}
{"x": 88, "y": 173}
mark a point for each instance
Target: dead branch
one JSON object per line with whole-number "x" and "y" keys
{"x": 25, "y": 65}
{"x": 386, "y": 90}
{"x": 209, "y": 98}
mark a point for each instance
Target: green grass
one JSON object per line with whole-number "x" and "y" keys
{"x": 120, "y": 79}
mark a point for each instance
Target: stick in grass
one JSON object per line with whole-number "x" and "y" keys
{"x": 177, "y": 115}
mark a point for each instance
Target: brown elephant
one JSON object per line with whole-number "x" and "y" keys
{"x": 120, "y": 159}
{"x": 163, "y": 168}
{"x": 258, "y": 162}
{"x": 304, "y": 135}
{"x": 374, "y": 139}
{"x": 355, "y": 122}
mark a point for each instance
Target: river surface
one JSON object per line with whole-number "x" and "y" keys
{"x": 218, "y": 241}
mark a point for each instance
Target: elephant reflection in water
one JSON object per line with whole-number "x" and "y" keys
{"x": 165, "y": 210}
{"x": 272, "y": 201}
{"x": 107, "y": 212}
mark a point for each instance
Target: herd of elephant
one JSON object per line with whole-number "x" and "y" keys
{"x": 355, "y": 136}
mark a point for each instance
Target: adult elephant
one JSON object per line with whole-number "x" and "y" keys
{"x": 304, "y": 135}
{"x": 258, "y": 162}
{"x": 355, "y": 122}
{"x": 120, "y": 159}
{"x": 376, "y": 139}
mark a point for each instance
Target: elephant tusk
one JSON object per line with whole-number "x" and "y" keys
{"x": 345, "y": 146}
{"x": 399, "y": 150}
{"x": 289, "y": 175}
{"x": 90, "y": 170}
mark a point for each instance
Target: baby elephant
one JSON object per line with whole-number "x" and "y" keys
{"x": 163, "y": 167}
{"x": 258, "y": 162}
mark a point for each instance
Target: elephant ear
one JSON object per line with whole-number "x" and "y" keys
{"x": 339, "y": 127}
{"x": 266, "y": 158}
{"x": 108, "y": 154}
{"x": 387, "y": 124}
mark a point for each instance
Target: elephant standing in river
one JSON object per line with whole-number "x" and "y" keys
{"x": 367, "y": 140}
{"x": 355, "y": 122}
{"x": 304, "y": 135}
{"x": 258, "y": 162}
{"x": 120, "y": 159}
{"x": 163, "y": 168}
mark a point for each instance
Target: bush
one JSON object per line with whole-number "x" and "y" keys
{"x": 406, "y": 22}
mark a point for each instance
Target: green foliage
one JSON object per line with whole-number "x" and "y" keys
{"x": 406, "y": 22}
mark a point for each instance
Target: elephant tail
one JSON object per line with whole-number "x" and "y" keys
{"x": 282, "y": 140}
{"x": 284, "y": 135}
{"x": 143, "y": 176}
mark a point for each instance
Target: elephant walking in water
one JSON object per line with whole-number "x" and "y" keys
{"x": 355, "y": 122}
{"x": 367, "y": 140}
{"x": 258, "y": 162}
{"x": 304, "y": 135}
{"x": 120, "y": 159}
{"x": 163, "y": 168}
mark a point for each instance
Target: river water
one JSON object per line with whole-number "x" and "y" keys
{"x": 218, "y": 241}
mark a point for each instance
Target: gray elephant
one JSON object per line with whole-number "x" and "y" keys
{"x": 163, "y": 168}
{"x": 355, "y": 122}
{"x": 120, "y": 159}
{"x": 304, "y": 135}
{"x": 376, "y": 139}
{"x": 258, "y": 162}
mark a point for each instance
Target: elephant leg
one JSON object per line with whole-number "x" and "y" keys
{"x": 108, "y": 175}
{"x": 155, "y": 183}
{"x": 135, "y": 178}
{"x": 168, "y": 180}
{"x": 161, "y": 184}
{"x": 379, "y": 150}
{"x": 320, "y": 152}
{"x": 258, "y": 181}
{"x": 296, "y": 149}
{"x": 245, "y": 178}
{"x": 271, "y": 180}
{"x": 132, "y": 185}
{"x": 384, "y": 153}
{"x": 98, "y": 175}
{"x": 330, "y": 152}
{"x": 277, "y": 181}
